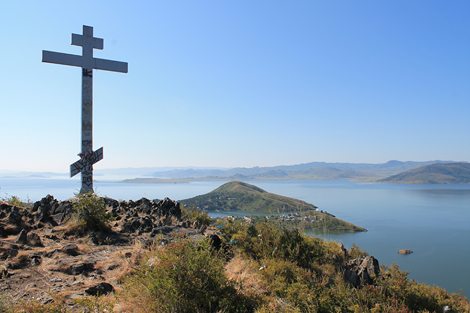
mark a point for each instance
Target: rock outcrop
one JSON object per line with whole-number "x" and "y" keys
{"x": 131, "y": 217}
{"x": 362, "y": 271}
{"x": 37, "y": 238}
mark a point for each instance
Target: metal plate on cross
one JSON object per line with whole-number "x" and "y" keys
{"x": 85, "y": 160}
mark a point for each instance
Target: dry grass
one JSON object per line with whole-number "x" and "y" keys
{"x": 245, "y": 274}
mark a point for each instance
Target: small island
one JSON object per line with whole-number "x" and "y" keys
{"x": 405, "y": 251}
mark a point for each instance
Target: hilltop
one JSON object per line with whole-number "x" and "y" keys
{"x": 157, "y": 256}
{"x": 439, "y": 173}
{"x": 240, "y": 196}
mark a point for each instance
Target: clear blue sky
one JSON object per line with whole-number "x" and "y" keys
{"x": 239, "y": 83}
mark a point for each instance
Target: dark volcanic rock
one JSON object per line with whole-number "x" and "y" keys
{"x": 19, "y": 263}
{"x": 162, "y": 230}
{"x": 22, "y": 237}
{"x": 362, "y": 271}
{"x": 111, "y": 202}
{"x": 8, "y": 253}
{"x": 34, "y": 240}
{"x": 145, "y": 216}
{"x": 81, "y": 268}
{"x": 71, "y": 249}
{"x": 62, "y": 212}
{"x": 131, "y": 226}
{"x": 44, "y": 208}
{"x": 133, "y": 217}
{"x": 36, "y": 260}
{"x": 100, "y": 289}
{"x": 216, "y": 242}
{"x": 169, "y": 208}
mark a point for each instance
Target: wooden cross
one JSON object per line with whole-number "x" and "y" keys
{"x": 87, "y": 62}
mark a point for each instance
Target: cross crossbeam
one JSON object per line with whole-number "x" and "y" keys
{"x": 87, "y": 62}
{"x": 77, "y": 60}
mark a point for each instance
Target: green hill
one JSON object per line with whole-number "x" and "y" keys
{"x": 439, "y": 173}
{"x": 239, "y": 196}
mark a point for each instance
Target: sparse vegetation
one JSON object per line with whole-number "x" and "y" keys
{"x": 273, "y": 269}
{"x": 184, "y": 277}
{"x": 197, "y": 217}
{"x": 86, "y": 304}
{"x": 244, "y": 266}
{"x": 90, "y": 213}
{"x": 15, "y": 201}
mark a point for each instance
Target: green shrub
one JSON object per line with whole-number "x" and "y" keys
{"x": 15, "y": 201}
{"x": 89, "y": 212}
{"x": 293, "y": 284}
{"x": 356, "y": 252}
{"x": 268, "y": 240}
{"x": 197, "y": 217}
{"x": 185, "y": 277}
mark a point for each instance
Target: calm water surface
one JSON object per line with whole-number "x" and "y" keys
{"x": 431, "y": 220}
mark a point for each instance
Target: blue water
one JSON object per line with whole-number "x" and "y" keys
{"x": 431, "y": 220}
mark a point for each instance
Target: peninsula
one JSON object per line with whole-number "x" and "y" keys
{"x": 238, "y": 196}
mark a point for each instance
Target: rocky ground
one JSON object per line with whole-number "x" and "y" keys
{"x": 41, "y": 259}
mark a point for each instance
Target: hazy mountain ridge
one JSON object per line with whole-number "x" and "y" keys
{"x": 439, "y": 173}
{"x": 366, "y": 172}
{"x": 312, "y": 170}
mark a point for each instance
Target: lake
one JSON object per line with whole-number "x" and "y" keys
{"x": 431, "y": 220}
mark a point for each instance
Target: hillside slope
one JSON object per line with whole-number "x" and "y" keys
{"x": 239, "y": 196}
{"x": 440, "y": 173}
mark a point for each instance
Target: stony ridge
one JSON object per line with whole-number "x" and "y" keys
{"x": 40, "y": 257}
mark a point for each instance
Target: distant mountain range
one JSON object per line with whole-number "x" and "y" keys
{"x": 312, "y": 171}
{"x": 439, "y": 173}
{"x": 391, "y": 171}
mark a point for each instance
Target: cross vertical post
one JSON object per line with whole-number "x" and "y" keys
{"x": 87, "y": 62}
{"x": 87, "y": 110}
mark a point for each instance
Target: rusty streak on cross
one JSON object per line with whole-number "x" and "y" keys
{"x": 87, "y": 62}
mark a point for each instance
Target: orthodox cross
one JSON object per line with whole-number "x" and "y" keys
{"x": 87, "y": 62}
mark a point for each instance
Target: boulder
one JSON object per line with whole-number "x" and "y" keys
{"x": 71, "y": 249}
{"x": 11, "y": 230}
{"x": 8, "y": 253}
{"x": 161, "y": 230}
{"x": 131, "y": 225}
{"x": 22, "y": 237}
{"x": 215, "y": 241}
{"x": 20, "y": 262}
{"x": 41, "y": 209}
{"x": 111, "y": 202}
{"x": 62, "y": 212}
{"x": 362, "y": 271}
{"x": 100, "y": 289}
{"x": 81, "y": 268}
{"x": 34, "y": 240}
{"x": 15, "y": 216}
{"x": 36, "y": 260}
